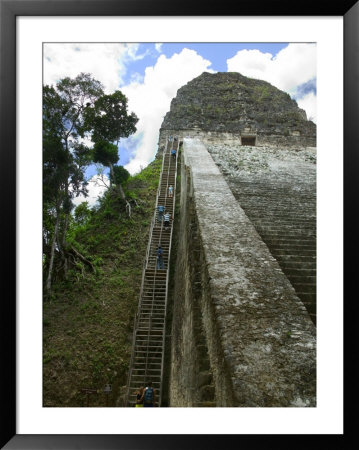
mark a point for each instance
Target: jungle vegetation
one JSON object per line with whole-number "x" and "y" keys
{"x": 92, "y": 255}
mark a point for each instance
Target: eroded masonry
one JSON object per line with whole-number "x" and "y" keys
{"x": 244, "y": 304}
{"x": 254, "y": 344}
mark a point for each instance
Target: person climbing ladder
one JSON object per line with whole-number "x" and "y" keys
{"x": 149, "y": 396}
{"x": 161, "y": 210}
{"x": 160, "y": 264}
{"x": 166, "y": 221}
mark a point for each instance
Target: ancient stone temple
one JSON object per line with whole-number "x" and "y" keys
{"x": 253, "y": 112}
{"x": 244, "y": 308}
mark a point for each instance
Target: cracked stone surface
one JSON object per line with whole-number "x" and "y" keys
{"x": 276, "y": 187}
{"x": 265, "y": 333}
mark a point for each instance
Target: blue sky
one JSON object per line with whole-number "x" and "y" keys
{"x": 217, "y": 53}
{"x": 150, "y": 74}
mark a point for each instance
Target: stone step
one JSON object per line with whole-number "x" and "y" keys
{"x": 310, "y": 307}
{"x": 270, "y": 234}
{"x": 288, "y": 265}
{"x": 296, "y": 245}
{"x": 302, "y": 279}
{"x": 291, "y": 239}
{"x": 285, "y": 219}
{"x": 257, "y": 209}
{"x": 293, "y": 252}
{"x": 304, "y": 287}
{"x": 307, "y": 297}
{"x": 299, "y": 271}
{"x": 282, "y": 226}
{"x": 296, "y": 258}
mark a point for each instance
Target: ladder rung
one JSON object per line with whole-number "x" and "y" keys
{"x": 148, "y": 345}
{"x": 152, "y": 357}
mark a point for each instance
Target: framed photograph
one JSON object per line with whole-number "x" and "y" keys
{"x": 39, "y": 44}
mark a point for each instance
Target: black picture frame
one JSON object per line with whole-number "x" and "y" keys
{"x": 9, "y": 10}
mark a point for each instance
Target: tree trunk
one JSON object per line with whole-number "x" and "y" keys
{"x": 112, "y": 174}
{"x": 85, "y": 260}
{"x": 123, "y": 196}
{"x": 63, "y": 242}
{"x": 121, "y": 192}
{"x": 52, "y": 256}
{"x": 128, "y": 206}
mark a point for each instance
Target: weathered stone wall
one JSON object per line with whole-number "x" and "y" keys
{"x": 213, "y": 137}
{"x": 259, "y": 337}
{"x": 276, "y": 187}
{"x": 191, "y": 381}
{"x": 228, "y": 102}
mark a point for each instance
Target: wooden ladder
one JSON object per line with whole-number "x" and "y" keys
{"x": 147, "y": 357}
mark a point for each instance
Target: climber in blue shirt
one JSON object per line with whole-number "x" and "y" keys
{"x": 161, "y": 210}
{"x": 160, "y": 264}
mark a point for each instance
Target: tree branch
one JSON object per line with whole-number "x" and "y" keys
{"x": 81, "y": 257}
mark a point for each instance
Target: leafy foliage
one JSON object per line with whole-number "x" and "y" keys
{"x": 82, "y": 213}
{"x": 76, "y": 108}
{"x": 88, "y": 320}
{"x": 105, "y": 153}
{"x": 121, "y": 175}
{"x": 109, "y": 119}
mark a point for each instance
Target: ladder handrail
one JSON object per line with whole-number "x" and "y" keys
{"x": 167, "y": 278}
{"x": 145, "y": 263}
{"x": 156, "y": 205}
{"x": 166, "y": 176}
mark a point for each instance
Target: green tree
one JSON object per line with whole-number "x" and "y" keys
{"x": 120, "y": 175}
{"x": 64, "y": 158}
{"x": 109, "y": 118}
{"x": 82, "y": 213}
{"x": 110, "y": 121}
{"x": 55, "y": 175}
{"x": 106, "y": 153}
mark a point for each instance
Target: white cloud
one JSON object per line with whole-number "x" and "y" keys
{"x": 106, "y": 62}
{"x": 149, "y": 96}
{"x": 95, "y": 188}
{"x": 137, "y": 78}
{"x": 291, "y": 67}
{"x": 151, "y": 99}
{"x": 132, "y": 50}
{"x": 309, "y": 104}
{"x": 158, "y": 47}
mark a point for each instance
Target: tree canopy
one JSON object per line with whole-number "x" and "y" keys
{"x": 81, "y": 125}
{"x": 120, "y": 174}
{"x": 105, "y": 153}
{"x": 109, "y": 119}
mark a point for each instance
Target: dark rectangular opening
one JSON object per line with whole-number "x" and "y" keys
{"x": 248, "y": 140}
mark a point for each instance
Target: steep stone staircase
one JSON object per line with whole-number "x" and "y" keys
{"x": 147, "y": 357}
{"x": 286, "y": 221}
